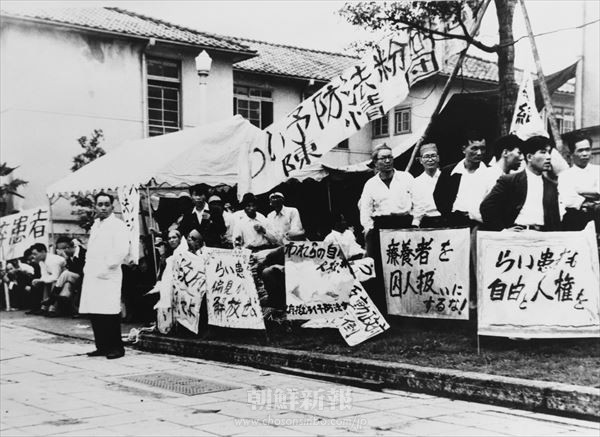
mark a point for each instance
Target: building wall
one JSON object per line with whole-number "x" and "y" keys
{"x": 590, "y": 75}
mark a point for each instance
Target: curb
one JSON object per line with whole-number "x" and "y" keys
{"x": 539, "y": 396}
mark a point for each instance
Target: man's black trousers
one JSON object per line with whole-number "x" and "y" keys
{"x": 107, "y": 332}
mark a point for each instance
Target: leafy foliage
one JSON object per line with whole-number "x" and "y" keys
{"x": 11, "y": 187}
{"x": 84, "y": 205}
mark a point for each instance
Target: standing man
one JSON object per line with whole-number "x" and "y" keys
{"x": 51, "y": 266}
{"x": 458, "y": 191}
{"x": 108, "y": 247}
{"x": 525, "y": 200}
{"x": 199, "y": 217}
{"x": 579, "y": 187}
{"x": 385, "y": 203}
{"x": 425, "y": 213}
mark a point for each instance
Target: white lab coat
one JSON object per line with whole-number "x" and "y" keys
{"x": 108, "y": 248}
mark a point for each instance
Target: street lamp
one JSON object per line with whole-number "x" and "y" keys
{"x": 203, "y": 64}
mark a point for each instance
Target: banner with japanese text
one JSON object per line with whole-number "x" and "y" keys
{"x": 363, "y": 268}
{"x": 538, "y": 284}
{"x": 189, "y": 288}
{"x": 129, "y": 198}
{"x": 426, "y": 272}
{"x": 317, "y": 280}
{"x": 362, "y": 319}
{"x": 362, "y": 93}
{"x": 19, "y": 231}
{"x": 232, "y": 299}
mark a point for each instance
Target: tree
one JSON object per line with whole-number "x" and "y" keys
{"x": 8, "y": 188}
{"x": 84, "y": 205}
{"x": 443, "y": 20}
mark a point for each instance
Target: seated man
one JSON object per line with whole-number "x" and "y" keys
{"x": 342, "y": 236}
{"x": 284, "y": 221}
{"x": 251, "y": 229}
{"x": 524, "y": 200}
{"x": 579, "y": 187}
{"x": 51, "y": 266}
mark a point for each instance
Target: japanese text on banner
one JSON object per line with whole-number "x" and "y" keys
{"x": 19, "y": 231}
{"x": 129, "y": 198}
{"x": 538, "y": 284}
{"x": 362, "y": 93}
{"x": 362, "y": 319}
{"x": 232, "y": 300}
{"x": 317, "y": 280}
{"x": 189, "y": 288}
{"x": 426, "y": 272}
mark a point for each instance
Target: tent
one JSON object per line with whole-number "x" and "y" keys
{"x": 202, "y": 155}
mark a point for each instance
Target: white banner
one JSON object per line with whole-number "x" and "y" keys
{"x": 419, "y": 59}
{"x": 362, "y": 319}
{"x": 363, "y": 268}
{"x": 538, "y": 284}
{"x": 189, "y": 288}
{"x": 361, "y": 94}
{"x": 232, "y": 300}
{"x": 164, "y": 320}
{"x": 426, "y": 272}
{"x": 317, "y": 280}
{"x": 526, "y": 121}
{"x": 129, "y": 198}
{"x": 19, "y": 231}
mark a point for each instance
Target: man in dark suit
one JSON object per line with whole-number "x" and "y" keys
{"x": 199, "y": 217}
{"x": 525, "y": 200}
{"x": 458, "y": 191}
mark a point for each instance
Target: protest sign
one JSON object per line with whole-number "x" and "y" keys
{"x": 426, "y": 272}
{"x": 189, "y": 288}
{"x": 232, "y": 300}
{"x": 526, "y": 121}
{"x": 361, "y": 94}
{"x": 164, "y": 320}
{"x": 418, "y": 56}
{"x": 317, "y": 280}
{"x": 129, "y": 198}
{"x": 363, "y": 268}
{"x": 362, "y": 319}
{"x": 538, "y": 284}
{"x": 19, "y": 231}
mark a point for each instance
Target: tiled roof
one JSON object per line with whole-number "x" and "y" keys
{"x": 117, "y": 20}
{"x": 282, "y": 60}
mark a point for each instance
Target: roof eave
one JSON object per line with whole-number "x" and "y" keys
{"x": 286, "y": 76}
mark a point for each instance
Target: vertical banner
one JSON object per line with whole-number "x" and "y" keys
{"x": 526, "y": 121}
{"x": 129, "y": 198}
{"x": 426, "y": 272}
{"x": 317, "y": 280}
{"x": 189, "y": 288}
{"x": 19, "y": 231}
{"x": 164, "y": 320}
{"x": 361, "y": 94}
{"x": 418, "y": 58}
{"x": 362, "y": 319}
{"x": 538, "y": 284}
{"x": 232, "y": 300}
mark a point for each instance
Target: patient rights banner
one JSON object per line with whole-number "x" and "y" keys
{"x": 189, "y": 288}
{"x": 426, "y": 272}
{"x": 20, "y": 231}
{"x": 538, "y": 284}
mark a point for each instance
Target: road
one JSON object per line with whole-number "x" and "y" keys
{"x": 50, "y": 387}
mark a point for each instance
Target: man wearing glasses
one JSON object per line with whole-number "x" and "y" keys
{"x": 425, "y": 213}
{"x": 386, "y": 203}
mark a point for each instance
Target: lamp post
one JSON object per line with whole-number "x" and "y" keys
{"x": 203, "y": 64}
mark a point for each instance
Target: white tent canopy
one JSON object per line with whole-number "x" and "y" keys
{"x": 207, "y": 154}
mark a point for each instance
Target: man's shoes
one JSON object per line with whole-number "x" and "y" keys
{"x": 96, "y": 353}
{"x": 115, "y": 355}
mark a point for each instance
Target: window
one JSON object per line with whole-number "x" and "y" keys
{"x": 565, "y": 119}
{"x": 254, "y": 104}
{"x": 380, "y": 127}
{"x": 164, "y": 96}
{"x": 402, "y": 121}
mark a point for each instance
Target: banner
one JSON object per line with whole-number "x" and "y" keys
{"x": 363, "y": 268}
{"x": 20, "y": 231}
{"x": 129, "y": 198}
{"x": 426, "y": 272}
{"x": 164, "y": 320}
{"x": 362, "y": 319}
{"x": 418, "y": 56}
{"x": 232, "y": 300}
{"x": 189, "y": 288}
{"x": 317, "y": 280}
{"x": 361, "y": 94}
{"x": 526, "y": 121}
{"x": 538, "y": 284}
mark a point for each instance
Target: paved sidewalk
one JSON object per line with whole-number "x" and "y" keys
{"x": 49, "y": 387}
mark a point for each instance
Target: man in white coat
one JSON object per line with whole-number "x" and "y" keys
{"x": 108, "y": 247}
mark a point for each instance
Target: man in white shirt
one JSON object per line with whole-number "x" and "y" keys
{"x": 284, "y": 221}
{"x": 51, "y": 266}
{"x": 425, "y": 213}
{"x": 386, "y": 203}
{"x": 251, "y": 229}
{"x": 524, "y": 200}
{"x": 579, "y": 187}
{"x": 458, "y": 192}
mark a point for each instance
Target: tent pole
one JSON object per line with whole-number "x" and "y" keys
{"x": 473, "y": 31}
{"x": 51, "y": 237}
{"x": 543, "y": 86}
{"x": 154, "y": 260}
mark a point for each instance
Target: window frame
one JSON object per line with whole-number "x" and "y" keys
{"x": 163, "y": 84}
{"x": 263, "y": 96}
{"x": 385, "y": 134}
{"x": 398, "y": 112}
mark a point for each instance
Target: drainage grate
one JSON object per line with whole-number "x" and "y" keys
{"x": 184, "y": 385}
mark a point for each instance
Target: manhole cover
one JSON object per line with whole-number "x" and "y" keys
{"x": 184, "y": 385}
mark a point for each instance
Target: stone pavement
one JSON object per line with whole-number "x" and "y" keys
{"x": 49, "y": 387}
